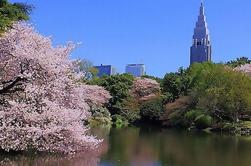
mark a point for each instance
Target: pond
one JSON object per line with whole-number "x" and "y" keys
{"x": 147, "y": 146}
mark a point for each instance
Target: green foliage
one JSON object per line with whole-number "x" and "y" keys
{"x": 121, "y": 104}
{"x": 167, "y": 97}
{"x": 130, "y": 110}
{"x": 246, "y": 124}
{"x": 175, "y": 112}
{"x": 25, "y": 8}
{"x": 118, "y": 86}
{"x": 175, "y": 119}
{"x": 159, "y": 80}
{"x": 176, "y": 84}
{"x": 203, "y": 121}
{"x": 100, "y": 116}
{"x": 93, "y": 71}
{"x": 190, "y": 116}
{"x": 222, "y": 92}
{"x": 152, "y": 109}
{"x": 171, "y": 84}
{"x": 9, "y": 13}
{"x": 239, "y": 62}
{"x": 3, "y": 3}
{"x": 199, "y": 119}
{"x": 228, "y": 126}
{"x": 119, "y": 121}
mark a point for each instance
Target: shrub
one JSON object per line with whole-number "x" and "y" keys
{"x": 152, "y": 109}
{"x": 130, "y": 110}
{"x": 119, "y": 121}
{"x": 191, "y": 115}
{"x": 100, "y": 116}
{"x": 175, "y": 112}
{"x": 198, "y": 118}
{"x": 203, "y": 121}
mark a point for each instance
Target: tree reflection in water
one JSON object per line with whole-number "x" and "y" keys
{"x": 48, "y": 160}
{"x": 150, "y": 147}
{"x": 81, "y": 159}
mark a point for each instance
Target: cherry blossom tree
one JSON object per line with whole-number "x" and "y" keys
{"x": 144, "y": 89}
{"x": 85, "y": 67}
{"x": 95, "y": 95}
{"x": 42, "y": 105}
{"x": 245, "y": 69}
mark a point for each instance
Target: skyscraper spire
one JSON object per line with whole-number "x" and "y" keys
{"x": 202, "y": 10}
{"x": 201, "y": 48}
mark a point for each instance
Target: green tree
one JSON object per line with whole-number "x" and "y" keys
{"x": 130, "y": 109}
{"x": 223, "y": 93}
{"x": 118, "y": 86}
{"x": 176, "y": 84}
{"x": 152, "y": 109}
{"x": 12, "y": 12}
{"x": 239, "y": 62}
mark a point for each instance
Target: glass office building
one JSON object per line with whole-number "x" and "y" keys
{"x": 137, "y": 70}
{"x": 105, "y": 70}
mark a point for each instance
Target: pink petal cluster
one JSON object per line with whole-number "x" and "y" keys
{"x": 245, "y": 69}
{"x": 144, "y": 89}
{"x": 42, "y": 106}
{"x": 95, "y": 95}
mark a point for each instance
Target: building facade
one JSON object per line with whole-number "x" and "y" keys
{"x": 137, "y": 70}
{"x": 201, "y": 50}
{"x": 105, "y": 70}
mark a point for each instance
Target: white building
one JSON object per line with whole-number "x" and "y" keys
{"x": 137, "y": 70}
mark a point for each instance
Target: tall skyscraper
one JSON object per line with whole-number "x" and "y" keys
{"x": 137, "y": 70}
{"x": 201, "y": 49}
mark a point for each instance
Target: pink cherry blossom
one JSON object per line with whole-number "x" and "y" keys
{"x": 42, "y": 105}
{"x": 144, "y": 89}
{"x": 245, "y": 69}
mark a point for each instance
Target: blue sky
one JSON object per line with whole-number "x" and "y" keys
{"x": 157, "y": 33}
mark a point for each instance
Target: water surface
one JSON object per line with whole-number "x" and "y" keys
{"x": 151, "y": 147}
{"x": 148, "y": 146}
